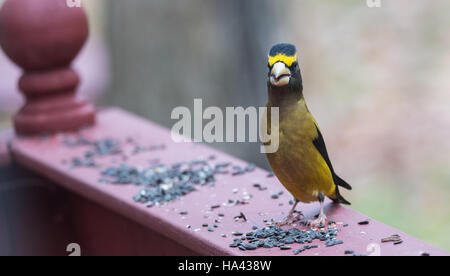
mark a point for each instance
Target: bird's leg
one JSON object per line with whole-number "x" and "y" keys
{"x": 290, "y": 218}
{"x": 322, "y": 218}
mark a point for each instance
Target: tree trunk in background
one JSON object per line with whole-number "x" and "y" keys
{"x": 166, "y": 53}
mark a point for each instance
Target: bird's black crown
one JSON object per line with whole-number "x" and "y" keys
{"x": 283, "y": 48}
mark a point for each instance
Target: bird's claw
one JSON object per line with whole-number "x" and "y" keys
{"x": 320, "y": 220}
{"x": 290, "y": 219}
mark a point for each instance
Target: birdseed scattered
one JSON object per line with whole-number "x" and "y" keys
{"x": 99, "y": 147}
{"x": 83, "y": 162}
{"x": 396, "y": 239}
{"x": 273, "y": 236}
{"x": 162, "y": 184}
{"x": 259, "y": 187}
{"x": 242, "y": 247}
{"x": 250, "y": 167}
{"x": 241, "y": 216}
{"x": 333, "y": 243}
{"x": 364, "y": 222}
{"x": 237, "y": 170}
{"x": 139, "y": 149}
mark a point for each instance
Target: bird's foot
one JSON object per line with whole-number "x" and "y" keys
{"x": 290, "y": 219}
{"x": 320, "y": 220}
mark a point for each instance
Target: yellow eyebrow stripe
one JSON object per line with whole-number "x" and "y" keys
{"x": 288, "y": 60}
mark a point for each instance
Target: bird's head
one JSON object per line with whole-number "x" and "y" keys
{"x": 284, "y": 72}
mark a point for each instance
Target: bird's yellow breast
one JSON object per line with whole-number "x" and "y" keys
{"x": 298, "y": 164}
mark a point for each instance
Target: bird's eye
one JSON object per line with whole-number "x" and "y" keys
{"x": 294, "y": 66}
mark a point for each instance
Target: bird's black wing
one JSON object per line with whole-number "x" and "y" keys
{"x": 319, "y": 143}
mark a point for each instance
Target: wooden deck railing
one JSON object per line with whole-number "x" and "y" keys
{"x": 85, "y": 185}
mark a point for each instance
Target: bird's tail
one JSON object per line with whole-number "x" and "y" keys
{"x": 341, "y": 182}
{"x": 338, "y": 198}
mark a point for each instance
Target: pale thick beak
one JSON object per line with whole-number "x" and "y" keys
{"x": 280, "y": 74}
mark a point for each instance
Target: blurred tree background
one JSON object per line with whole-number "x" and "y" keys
{"x": 376, "y": 79}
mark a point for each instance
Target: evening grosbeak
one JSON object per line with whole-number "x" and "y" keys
{"x": 301, "y": 162}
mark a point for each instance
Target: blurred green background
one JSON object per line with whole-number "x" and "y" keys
{"x": 376, "y": 79}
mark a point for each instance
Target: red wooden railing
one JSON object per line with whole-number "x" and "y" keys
{"x": 75, "y": 202}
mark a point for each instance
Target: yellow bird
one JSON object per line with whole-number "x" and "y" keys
{"x": 301, "y": 162}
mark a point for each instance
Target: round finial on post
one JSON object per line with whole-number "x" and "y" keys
{"x": 43, "y": 37}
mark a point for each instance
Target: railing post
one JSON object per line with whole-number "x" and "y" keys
{"x": 43, "y": 38}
